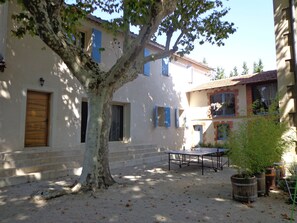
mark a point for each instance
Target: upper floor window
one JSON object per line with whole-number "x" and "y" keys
{"x": 96, "y": 45}
{"x": 222, "y": 104}
{"x": 165, "y": 63}
{"x": 263, "y": 95}
{"x": 147, "y": 66}
{"x": 78, "y": 39}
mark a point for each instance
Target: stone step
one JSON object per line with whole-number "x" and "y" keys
{"x": 37, "y": 154}
{"x": 134, "y": 162}
{"x": 38, "y": 161}
{"x": 52, "y": 174}
{"x": 27, "y": 166}
{"x": 46, "y": 175}
{"x": 39, "y": 168}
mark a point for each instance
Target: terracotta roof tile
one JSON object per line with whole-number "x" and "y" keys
{"x": 242, "y": 79}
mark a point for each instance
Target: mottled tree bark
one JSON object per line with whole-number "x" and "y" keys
{"x": 96, "y": 171}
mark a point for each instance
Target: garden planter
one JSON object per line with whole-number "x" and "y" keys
{"x": 261, "y": 184}
{"x": 244, "y": 189}
{"x": 270, "y": 179}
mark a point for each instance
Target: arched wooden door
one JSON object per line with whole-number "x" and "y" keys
{"x": 37, "y": 119}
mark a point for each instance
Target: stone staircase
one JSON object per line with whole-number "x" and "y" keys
{"x": 41, "y": 164}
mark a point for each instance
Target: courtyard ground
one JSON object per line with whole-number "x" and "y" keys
{"x": 146, "y": 194}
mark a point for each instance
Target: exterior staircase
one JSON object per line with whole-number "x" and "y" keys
{"x": 43, "y": 163}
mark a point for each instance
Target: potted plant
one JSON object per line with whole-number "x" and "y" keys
{"x": 255, "y": 144}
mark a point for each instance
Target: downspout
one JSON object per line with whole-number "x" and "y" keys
{"x": 294, "y": 56}
{"x": 293, "y": 28}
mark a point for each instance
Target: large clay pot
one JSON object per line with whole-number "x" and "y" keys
{"x": 244, "y": 189}
{"x": 270, "y": 179}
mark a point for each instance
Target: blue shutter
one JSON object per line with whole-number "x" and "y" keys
{"x": 177, "y": 118}
{"x": 165, "y": 63}
{"x": 146, "y": 67}
{"x": 156, "y": 119}
{"x": 167, "y": 117}
{"x": 96, "y": 45}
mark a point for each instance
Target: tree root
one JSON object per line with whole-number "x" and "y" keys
{"x": 54, "y": 193}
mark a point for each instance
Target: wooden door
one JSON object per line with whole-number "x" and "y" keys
{"x": 37, "y": 119}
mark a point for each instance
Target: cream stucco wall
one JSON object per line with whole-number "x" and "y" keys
{"x": 29, "y": 58}
{"x": 285, "y": 67}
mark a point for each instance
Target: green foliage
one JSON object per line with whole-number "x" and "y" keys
{"x": 245, "y": 69}
{"x": 211, "y": 145}
{"x": 257, "y": 143}
{"x": 219, "y": 73}
{"x": 234, "y": 72}
{"x": 258, "y": 67}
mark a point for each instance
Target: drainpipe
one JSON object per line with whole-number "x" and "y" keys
{"x": 294, "y": 56}
{"x": 293, "y": 29}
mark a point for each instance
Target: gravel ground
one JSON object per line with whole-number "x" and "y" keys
{"x": 149, "y": 194}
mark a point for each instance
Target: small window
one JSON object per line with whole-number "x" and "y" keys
{"x": 222, "y": 131}
{"x": 146, "y": 67}
{"x": 79, "y": 39}
{"x": 162, "y": 116}
{"x": 117, "y": 123}
{"x": 222, "y": 104}
{"x": 165, "y": 65}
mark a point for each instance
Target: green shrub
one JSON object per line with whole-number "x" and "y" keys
{"x": 257, "y": 143}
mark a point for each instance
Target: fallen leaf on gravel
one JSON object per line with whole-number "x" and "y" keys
{"x": 285, "y": 216}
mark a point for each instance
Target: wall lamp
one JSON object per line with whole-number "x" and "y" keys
{"x": 2, "y": 63}
{"x": 41, "y": 81}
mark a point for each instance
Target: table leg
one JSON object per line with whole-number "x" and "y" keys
{"x": 202, "y": 165}
{"x": 168, "y": 161}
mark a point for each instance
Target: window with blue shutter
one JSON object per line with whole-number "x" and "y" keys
{"x": 96, "y": 45}
{"x": 177, "y": 118}
{"x": 146, "y": 67}
{"x": 167, "y": 117}
{"x": 165, "y": 62}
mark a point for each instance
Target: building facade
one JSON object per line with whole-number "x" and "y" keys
{"x": 218, "y": 106}
{"x": 43, "y": 108}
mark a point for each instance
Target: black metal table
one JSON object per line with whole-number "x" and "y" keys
{"x": 183, "y": 157}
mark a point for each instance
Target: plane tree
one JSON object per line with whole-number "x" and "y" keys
{"x": 182, "y": 23}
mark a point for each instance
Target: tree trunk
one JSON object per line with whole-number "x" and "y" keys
{"x": 96, "y": 171}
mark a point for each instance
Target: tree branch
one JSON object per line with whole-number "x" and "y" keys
{"x": 51, "y": 32}
{"x": 158, "y": 12}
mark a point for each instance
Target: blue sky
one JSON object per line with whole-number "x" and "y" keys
{"x": 253, "y": 40}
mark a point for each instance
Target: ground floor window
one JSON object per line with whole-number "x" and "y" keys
{"x": 117, "y": 123}
{"x": 84, "y": 119}
{"x": 223, "y": 131}
{"x": 118, "y": 129}
{"x": 162, "y": 116}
